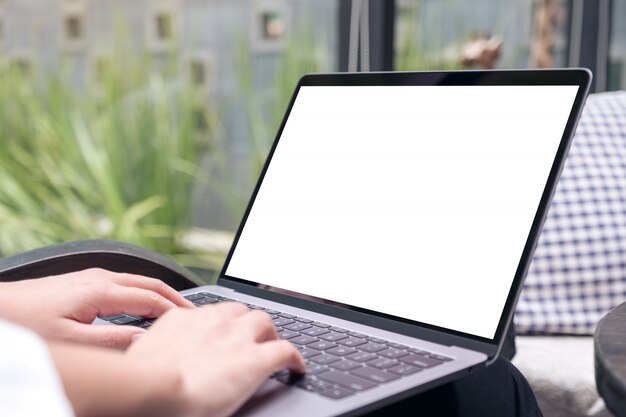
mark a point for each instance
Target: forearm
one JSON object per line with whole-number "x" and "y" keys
{"x": 101, "y": 382}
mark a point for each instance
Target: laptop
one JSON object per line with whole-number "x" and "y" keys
{"x": 391, "y": 228}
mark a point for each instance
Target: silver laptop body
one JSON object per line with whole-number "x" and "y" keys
{"x": 402, "y": 208}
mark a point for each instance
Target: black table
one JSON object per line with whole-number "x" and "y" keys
{"x": 610, "y": 359}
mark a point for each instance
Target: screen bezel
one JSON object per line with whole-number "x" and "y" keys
{"x": 576, "y": 77}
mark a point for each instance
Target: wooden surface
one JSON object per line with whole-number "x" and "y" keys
{"x": 610, "y": 360}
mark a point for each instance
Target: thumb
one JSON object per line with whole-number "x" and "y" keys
{"x": 109, "y": 336}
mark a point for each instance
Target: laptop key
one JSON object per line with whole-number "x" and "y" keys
{"x": 281, "y": 321}
{"x": 208, "y": 294}
{"x": 321, "y": 345}
{"x": 362, "y": 357}
{"x": 125, "y": 320}
{"x": 345, "y": 365}
{"x": 316, "y": 369}
{"x": 205, "y": 301}
{"x": 341, "y": 351}
{"x": 393, "y": 353}
{"x": 109, "y": 318}
{"x": 357, "y": 334}
{"x": 339, "y": 330}
{"x": 296, "y": 327}
{"x": 351, "y": 341}
{"x": 404, "y": 369}
{"x": 144, "y": 324}
{"x": 377, "y": 340}
{"x": 372, "y": 347}
{"x": 288, "y": 378}
{"x": 287, "y": 315}
{"x": 347, "y": 380}
{"x": 418, "y": 360}
{"x": 309, "y": 353}
{"x": 303, "y": 340}
{"x": 382, "y": 363}
{"x": 441, "y": 358}
{"x": 287, "y": 334}
{"x": 336, "y": 393}
{"x": 312, "y": 384}
{"x": 314, "y": 331}
{"x": 333, "y": 336}
{"x": 321, "y": 325}
{"x": 282, "y": 372}
{"x": 419, "y": 352}
{"x": 325, "y": 359}
{"x": 196, "y": 296}
{"x": 373, "y": 374}
{"x": 303, "y": 320}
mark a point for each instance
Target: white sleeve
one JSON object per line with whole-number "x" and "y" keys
{"x": 29, "y": 383}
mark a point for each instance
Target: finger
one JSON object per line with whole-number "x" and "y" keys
{"x": 227, "y": 310}
{"x": 201, "y": 319}
{"x": 280, "y": 354}
{"x": 151, "y": 284}
{"x": 134, "y": 301}
{"x": 259, "y": 325}
{"x": 109, "y": 336}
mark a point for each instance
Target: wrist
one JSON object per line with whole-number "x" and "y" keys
{"x": 164, "y": 393}
{"x": 103, "y": 382}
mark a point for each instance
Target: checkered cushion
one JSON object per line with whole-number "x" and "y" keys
{"x": 578, "y": 271}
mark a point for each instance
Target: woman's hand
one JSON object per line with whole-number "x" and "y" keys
{"x": 63, "y": 307}
{"x": 222, "y": 353}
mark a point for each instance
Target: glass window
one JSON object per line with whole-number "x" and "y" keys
{"x": 150, "y": 119}
{"x": 617, "y": 51}
{"x": 456, "y": 34}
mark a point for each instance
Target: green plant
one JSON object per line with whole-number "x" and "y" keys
{"x": 117, "y": 160}
{"x": 414, "y": 53}
{"x": 304, "y": 53}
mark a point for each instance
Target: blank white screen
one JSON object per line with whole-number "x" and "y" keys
{"x": 414, "y": 201}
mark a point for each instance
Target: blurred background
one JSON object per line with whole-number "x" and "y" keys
{"x": 148, "y": 121}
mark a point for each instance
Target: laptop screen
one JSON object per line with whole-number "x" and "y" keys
{"x": 415, "y": 201}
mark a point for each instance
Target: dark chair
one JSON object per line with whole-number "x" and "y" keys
{"x": 106, "y": 254}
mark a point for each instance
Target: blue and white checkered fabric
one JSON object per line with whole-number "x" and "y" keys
{"x": 578, "y": 272}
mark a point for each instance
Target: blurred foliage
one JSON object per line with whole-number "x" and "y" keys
{"x": 119, "y": 158}
{"x": 265, "y": 104}
{"x": 115, "y": 161}
{"x": 415, "y": 54}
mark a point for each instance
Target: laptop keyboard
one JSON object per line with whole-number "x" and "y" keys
{"x": 339, "y": 362}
